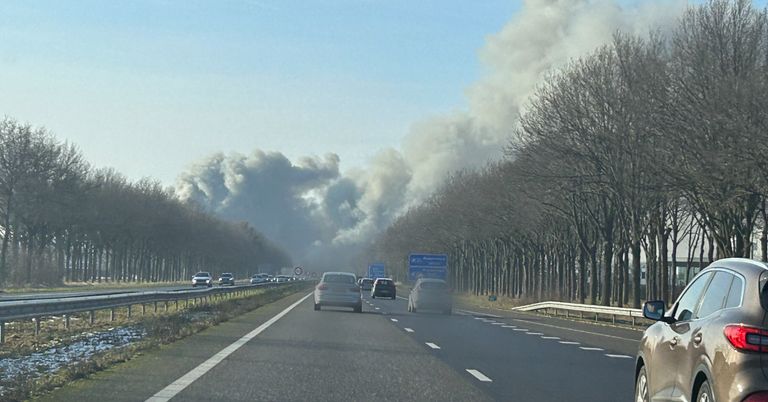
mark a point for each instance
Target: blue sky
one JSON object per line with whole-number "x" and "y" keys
{"x": 149, "y": 87}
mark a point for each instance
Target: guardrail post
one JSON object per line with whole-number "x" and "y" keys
{"x": 633, "y": 321}
{"x": 66, "y": 322}
{"x": 92, "y": 317}
{"x": 36, "y": 321}
{"x": 129, "y": 311}
{"x": 567, "y": 314}
{"x": 581, "y": 315}
{"x": 155, "y": 307}
{"x": 2, "y": 332}
{"x": 595, "y": 317}
{"x": 176, "y": 302}
{"x": 111, "y": 314}
{"x": 165, "y": 308}
{"x": 143, "y": 309}
{"x": 613, "y": 318}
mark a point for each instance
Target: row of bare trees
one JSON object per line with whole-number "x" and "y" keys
{"x": 648, "y": 151}
{"x": 62, "y": 220}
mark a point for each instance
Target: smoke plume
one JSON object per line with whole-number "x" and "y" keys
{"x": 321, "y": 216}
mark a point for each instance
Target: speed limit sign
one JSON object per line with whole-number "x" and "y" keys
{"x": 298, "y": 271}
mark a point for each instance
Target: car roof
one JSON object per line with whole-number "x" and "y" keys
{"x": 430, "y": 280}
{"x": 339, "y": 273}
{"x": 384, "y": 279}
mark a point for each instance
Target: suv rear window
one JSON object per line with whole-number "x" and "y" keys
{"x": 384, "y": 283}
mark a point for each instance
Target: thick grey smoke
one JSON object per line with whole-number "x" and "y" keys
{"x": 320, "y": 215}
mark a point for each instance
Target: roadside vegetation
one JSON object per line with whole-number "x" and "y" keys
{"x": 649, "y": 146}
{"x": 62, "y": 220}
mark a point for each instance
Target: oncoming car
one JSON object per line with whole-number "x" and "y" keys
{"x": 202, "y": 279}
{"x": 338, "y": 289}
{"x": 227, "y": 279}
{"x": 712, "y": 344}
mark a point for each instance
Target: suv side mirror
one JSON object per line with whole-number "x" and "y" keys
{"x": 654, "y": 310}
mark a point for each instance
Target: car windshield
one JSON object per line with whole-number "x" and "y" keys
{"x": 507, "y": 200}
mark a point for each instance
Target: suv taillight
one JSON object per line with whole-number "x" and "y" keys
{"x": 761, "y": 396}
{"x": 747, "y": 338}
{"x": 322, "y": 286}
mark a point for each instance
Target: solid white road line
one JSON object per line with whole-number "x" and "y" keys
{"x": 549, "y": 337}
{"x": 432, "y": 345}
{"x": 569, "y": 343}
{"x": 480, "y": 376}
{"x": 577, "y": 330}
{"x": 393, "y": 319}
{"x": 408, "y": 330}
{"x": 618, "y": 356}
{"x": 590, "y": 348}
{"x": 184, "y": 381}
{"x": 534, "y": 333}
{"x": 476, "y": 313}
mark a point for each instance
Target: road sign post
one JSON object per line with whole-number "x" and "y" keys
{"x": 427, "y": 266}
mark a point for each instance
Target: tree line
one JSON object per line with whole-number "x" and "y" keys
{"x": 649, "y": 148}
{"x": 62, "y": 220}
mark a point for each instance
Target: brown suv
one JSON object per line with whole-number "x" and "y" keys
{"x": 712, "y": 345}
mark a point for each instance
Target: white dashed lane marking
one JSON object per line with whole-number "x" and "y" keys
{"x": 408, "y": 330}
{"x": 549, "y": 337}
{"x": 509, "y": 326}
{"x": 569, "y": 343}
{"x": 480, "y": 376}
{"x": 618, "y": 356}
{"x": 534, "y": 333}
{"x": 432, "y": 345}
{"x": 393, "y": 319}
{"x": 589, "y": 348}
{"x": 521, "y": 329}
{"x": 497, "y": 323}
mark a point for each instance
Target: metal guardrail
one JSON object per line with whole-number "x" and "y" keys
{"x": 35, "y": 309}
{"x": 578, "y": 310}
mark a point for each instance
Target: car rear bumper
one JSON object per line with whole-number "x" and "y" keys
{"x": 338, "y": 299}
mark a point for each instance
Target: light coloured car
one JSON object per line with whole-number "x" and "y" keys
{"x": 282, "y": 278}
{"x": 202, "y": 279}
{"x": 227, "y": 278}
{"x": 259, "y": 278}
{"x": 338, "y": 289}
{"x": 430, "y": 294}
{"x": 712, "y": 344}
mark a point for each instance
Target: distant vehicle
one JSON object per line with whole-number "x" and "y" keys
{"x": 202, "y": 279}
{"x": 259, "y": 278}
{"x": 712, "y": 344}
{"x": 384, "y": 287}
{"x": 366, "y": 283}
{"x": 338, "y": 289}
{"x": 430, "y": 294}
{"x": 282, "y": 278}
{"x": 227, "y": 278}
{"x": 270, "y": 278}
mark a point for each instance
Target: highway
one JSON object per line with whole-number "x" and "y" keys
{"x": 287, "y": 351}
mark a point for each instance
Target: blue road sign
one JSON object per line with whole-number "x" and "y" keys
{"x": 376, "y": 270}
{"x": 427, "y": 266}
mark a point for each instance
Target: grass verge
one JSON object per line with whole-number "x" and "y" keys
{"x": 160, "y": 329}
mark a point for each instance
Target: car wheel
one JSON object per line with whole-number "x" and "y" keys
{"x": 641, "y": 386}
{"x": 317, "y": 307}
{"x": 705, "y": 393}
{"x": 373, "y": 296}
{"x": 413, "y": 309}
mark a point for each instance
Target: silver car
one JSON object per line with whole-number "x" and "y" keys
{"x": 338, "y": 289}
{"x": 430, "y": 294}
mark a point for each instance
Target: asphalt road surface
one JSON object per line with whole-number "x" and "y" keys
{"x": 298, "y": 354}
